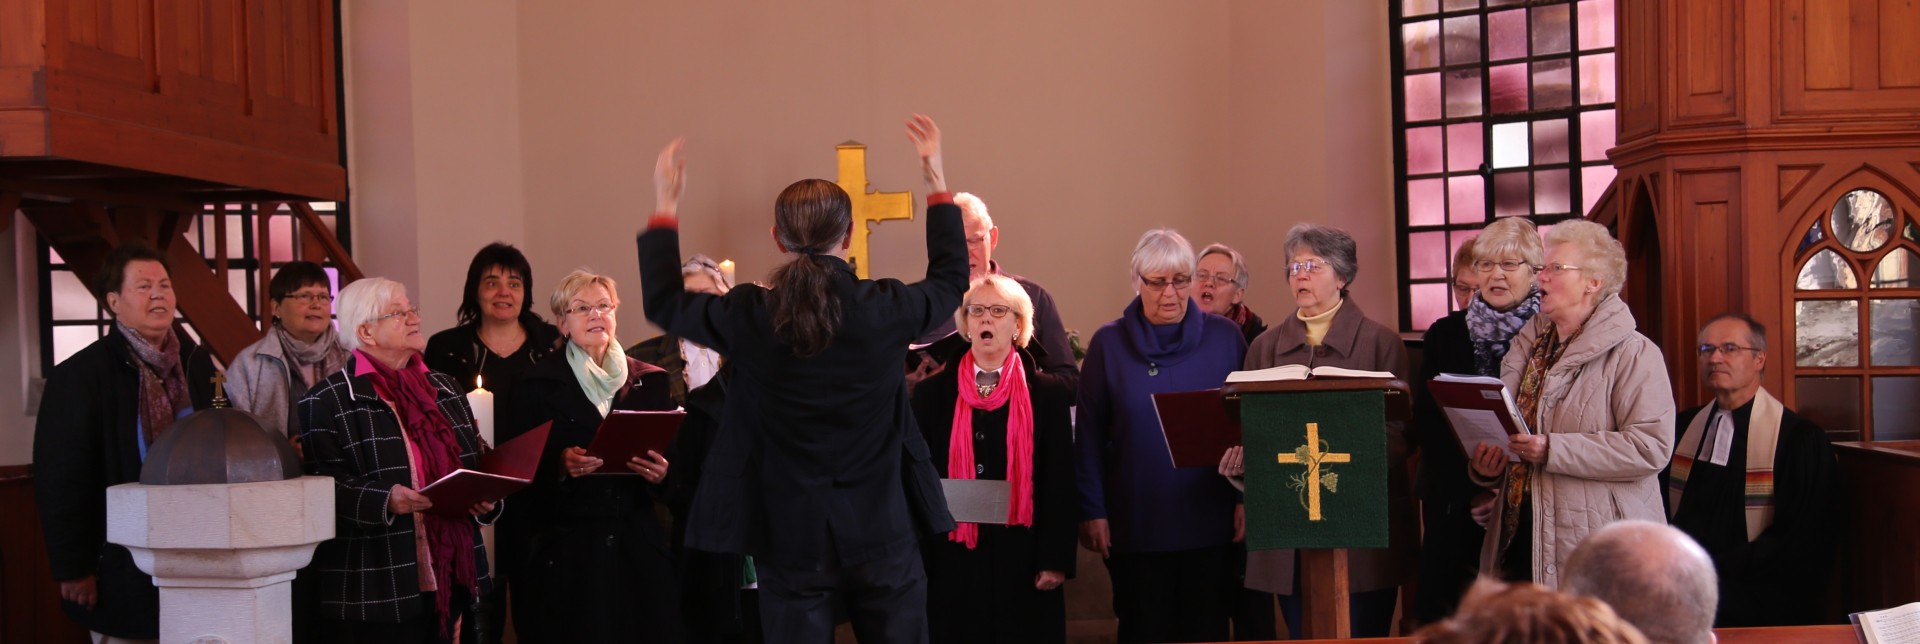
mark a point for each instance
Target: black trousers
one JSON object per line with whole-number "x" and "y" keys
{"x": 1178, "y": 596}
{"x": 1449, "y": 557}
{"x": 418, "y": 628}
{"x": 886, "y": 599}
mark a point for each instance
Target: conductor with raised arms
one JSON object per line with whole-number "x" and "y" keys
{"x": 818, "y": 470}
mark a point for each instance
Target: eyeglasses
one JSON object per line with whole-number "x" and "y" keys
{"x": 1161, "y": 284}
{"x": 1707, "y": 350}
{"x": 1556, "y": 268}
{"x": 309, "y": 298}
{"x": 1218, "y": 281}
{"x": 978, "y": 240}
{"x": 998, "y": 310}
{"x": 413, "y": 312}
{"x": 1310, "y": 267}
{"x": 1510, "y": 266}
{"x": 603, "y": 308}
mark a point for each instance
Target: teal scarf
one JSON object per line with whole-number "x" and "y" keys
{"x": 599, "y": 381}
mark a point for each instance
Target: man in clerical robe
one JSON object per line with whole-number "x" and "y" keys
{"x": 1755, "y": 484}
{"x": 1050, "y": 345}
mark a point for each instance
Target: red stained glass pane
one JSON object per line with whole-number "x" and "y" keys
{"x": 1509, "y": 88}
{"x": 1466, "y": 200}
{"x": 1550, "y": 141}
{"x": 1550, "y": 29}
{"x": 1426, "y": 202}
{"x": 1429, "y": 303}
{"x": 1420, "y": 44}
{"x": 1596, "y": 24}
{"x": 1552, "y": 84}
{"x": 1423, "y": 150}
{"x": 1594, "y": 180}
{"x": 1423, "y": 97}
{"x": 1550, "y": 192}
{"x": 1463, "y": 40}
{"x": 1418, "y": 7}
{"x": 1596, "y": 135}
{"x": 1427, "y": 254}
{"x": 1463, "y": 93}
{"x": 1596, "y": 79}
{"x": 1455, "y": 239}
{"x": 1456, "y": 5}
{"x": 1507, "y": 35}
{"x": 1464, "y": 147}
{"x": 1512, "y": 193}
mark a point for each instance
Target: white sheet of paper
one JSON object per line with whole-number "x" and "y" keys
{"x": 977, "y": 500}
{"x": 1476, "y": 426}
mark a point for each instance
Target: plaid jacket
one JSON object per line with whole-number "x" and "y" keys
{"x": 368, "y": 571}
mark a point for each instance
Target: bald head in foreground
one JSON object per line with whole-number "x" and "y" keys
{"x": 1653, "y": 575}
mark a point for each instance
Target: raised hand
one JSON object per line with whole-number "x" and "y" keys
{"x": 926, "y": 143}
{"x": 669, "y": 177}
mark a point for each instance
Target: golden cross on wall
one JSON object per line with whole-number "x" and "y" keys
{"x": 1314, "y": 458}
{"x": 868, "y": 207}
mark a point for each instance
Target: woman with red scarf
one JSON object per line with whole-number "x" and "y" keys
{"x": 383, "y": 427}
{"x": 989, "y": 415}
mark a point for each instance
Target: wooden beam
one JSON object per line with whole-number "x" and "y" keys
{"x": 95, "y": 191}
{"x": 1323, "y": 577}
{"x": 318, "y": 231}
{"x": 224, "y": 326}
{"x": 9, "y": 202}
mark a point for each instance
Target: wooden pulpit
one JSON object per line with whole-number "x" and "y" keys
{"x": 1879, "y": 566}
{"x": 1317, "y": 476}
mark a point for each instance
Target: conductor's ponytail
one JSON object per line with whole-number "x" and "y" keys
{"x": 809, "y": 218}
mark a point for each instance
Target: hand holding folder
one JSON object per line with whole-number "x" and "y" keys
{"x": 1480, "y": 409}
{"x": 503, "y": 471}
{"x": 626, "y": 435}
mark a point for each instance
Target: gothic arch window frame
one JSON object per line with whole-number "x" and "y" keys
{"x": 1862, "y": 389}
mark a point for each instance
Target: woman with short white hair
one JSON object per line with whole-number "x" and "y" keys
{"x": 1596, "y": 395}
{"x": 990, "y": 413}
{"x": 383, "y": 427}
{"x": 1167, "y": 533}
{"x": 598, "y": 569}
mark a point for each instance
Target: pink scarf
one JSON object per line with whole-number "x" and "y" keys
{"x": 449, "y": 538}
{"x": 1013, "y": 386}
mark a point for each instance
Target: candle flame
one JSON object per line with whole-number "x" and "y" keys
{"x": 476, "y": 383}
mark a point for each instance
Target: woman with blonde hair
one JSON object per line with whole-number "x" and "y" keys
{"x": 1595, "y": 394}
{"x": 597, "y": 565}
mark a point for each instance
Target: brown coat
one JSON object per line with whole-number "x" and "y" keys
{"x": 1352, "y": 342}
{"x": 1609, "y": 408}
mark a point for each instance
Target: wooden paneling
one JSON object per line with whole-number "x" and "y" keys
{"x": 200, "y": 53}
{"x": 29, "y": 598}
{"x": 1638, "y": 26}
{"x": 286, "y": 43}
{"x": 1879, "y": 566}
{"x": 1708, "y": 61}
{"x": 1848, "y": 59}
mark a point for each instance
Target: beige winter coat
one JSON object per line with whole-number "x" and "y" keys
{"x": 1608, "y": 408}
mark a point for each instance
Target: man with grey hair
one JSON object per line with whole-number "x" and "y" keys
{"x": 1755, "y": 484}
{"x": 1054, "y": 349}
{"x": 1652, "y": 575}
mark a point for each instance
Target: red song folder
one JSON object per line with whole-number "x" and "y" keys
{"x": 503, "y": 471}
{"x": 625, "y": 435}
{"x": 1480, "y": 409}
{"x": 1196, "y": 426}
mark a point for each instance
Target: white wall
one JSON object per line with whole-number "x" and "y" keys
{"x": 1082, "y": 124}
{"x": 19, "y": 341}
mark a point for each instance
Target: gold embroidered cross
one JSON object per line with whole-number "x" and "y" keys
{"x": 1312, "y": 455}
{"x": 868, "y": 207}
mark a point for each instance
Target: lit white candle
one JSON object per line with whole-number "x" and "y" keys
{"x": 481, "y": 401}
{"x": 726, "y": 268}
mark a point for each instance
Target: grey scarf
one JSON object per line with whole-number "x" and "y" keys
{"x": 308, "y": 360}
{"x": 1492, "y": 330}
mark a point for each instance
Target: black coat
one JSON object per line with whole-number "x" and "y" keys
{"x": 823, "y": 445}
{"x": 710, "y": 583}
{"x": 459, "y": 353}
{"x": 597, "y": 559}
{"x": 85, "y": 440}
{"x": 368, "y": 572}
{"x": 1446, "y": 348}
{"x": 986, "y": 594}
